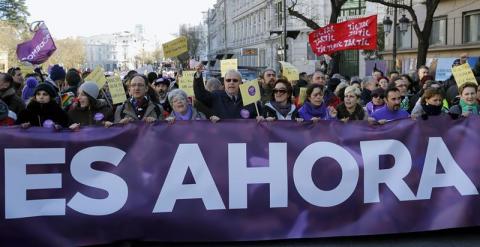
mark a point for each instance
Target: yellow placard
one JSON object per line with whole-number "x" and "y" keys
{"x": 289, "y": 71}
{"x": 175, "y": 47}
{"x": 186, "y": 82}
{"x": 26, "y": 68}
{"x": 228, "y": 64}
{"x": 250, "y": 92}
{"x": 97, "y": 76}
{"x": 116, "y": 89}
{"x": 463, "y": 74}
{"x": 302, "y": 96}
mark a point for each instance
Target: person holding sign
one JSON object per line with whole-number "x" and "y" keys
{"x": 182, "y": 109}
{"x": 138, "y": 107}
{"x": 225, "y": 104}
{"x": 315, "y": 108}
{"x": 468, "y": 101}
{"x": 281, "y": 107}
{"x": 89, "y": 110}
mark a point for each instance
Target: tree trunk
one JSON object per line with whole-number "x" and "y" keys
{"x": 335, "y": 63}
{"x": 422, "y": 51}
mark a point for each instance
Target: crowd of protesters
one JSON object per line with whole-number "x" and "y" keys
{"x": 64, "y": 100}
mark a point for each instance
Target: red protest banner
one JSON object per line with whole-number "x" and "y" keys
{"x": 357, "y": 34}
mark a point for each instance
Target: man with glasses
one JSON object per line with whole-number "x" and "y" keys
{"x": 139, "y": 107}
{"x": 225, "y": 104}
{"x": 267, "y": 82}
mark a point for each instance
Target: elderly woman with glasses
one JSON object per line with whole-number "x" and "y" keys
{"x": 281, "y": 106}
{"x": 350, "y": 109}
{"x": 182, "y": 109}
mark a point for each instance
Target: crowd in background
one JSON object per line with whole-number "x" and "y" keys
{"x": 64, "y": 100}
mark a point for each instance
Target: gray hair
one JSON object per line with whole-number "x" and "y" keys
{"x": 213, "y": 84}
{"x": 353, "y": 89}
{"x": 368, "y": 80}
{"x": 177, "y": 93}
{"x": 233, "y": 72}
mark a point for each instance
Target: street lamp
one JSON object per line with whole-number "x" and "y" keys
{"x": 403, "y": 27}
{"x": 403, "y": 24}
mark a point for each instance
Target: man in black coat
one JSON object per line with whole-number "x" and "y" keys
{"x": 225, "y": 104}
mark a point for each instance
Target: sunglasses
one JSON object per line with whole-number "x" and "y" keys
{"x": 376, "y": 96}
{"x": 232, "y": 80}
{"x": 280, "y": 91}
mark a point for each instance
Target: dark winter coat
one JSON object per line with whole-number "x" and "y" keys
{"x": 221, "y": 104}
{"x": 37, "y": 113}
{"x": 86, "y": 115}
{"x": 14, "y": 102}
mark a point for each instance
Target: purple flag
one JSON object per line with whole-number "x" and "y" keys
{"x": 39, "y": 48}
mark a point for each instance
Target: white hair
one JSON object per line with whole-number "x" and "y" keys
{"x": 177, "y": 93}
{"x": 234, "y": 73}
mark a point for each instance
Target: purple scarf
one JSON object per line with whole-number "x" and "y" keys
{"x": 186, "y": 116}
{"x": 308, "y": 111}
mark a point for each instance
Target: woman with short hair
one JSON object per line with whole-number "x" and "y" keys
{"x": 182, "y": 109}
{"x": 350, "y": 109}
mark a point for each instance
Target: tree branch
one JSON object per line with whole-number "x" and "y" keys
{"x": 408, "y": 8}
{"x": 309, "y": 22}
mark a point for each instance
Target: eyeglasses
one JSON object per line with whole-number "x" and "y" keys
{"x": 232, "y": 80}
{"x": 280, "y": 91}
{"x": 270, "y": 75}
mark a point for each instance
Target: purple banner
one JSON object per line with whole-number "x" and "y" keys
{"x": 237, "y": 181}
{"x": 39, "y": 48}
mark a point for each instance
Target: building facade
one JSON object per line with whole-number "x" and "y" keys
{"x": 455, "y": 31}
{"x": 121, "y": 50}
{"x": 249, "y": 31}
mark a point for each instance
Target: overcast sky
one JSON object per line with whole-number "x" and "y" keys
{"x": 161, "y": 18}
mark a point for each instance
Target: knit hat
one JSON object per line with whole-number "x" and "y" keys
{"x": 57, "y": 73}
{"x": 47, "y": 88}
{"x": 28, "y": 89}
{"x": 90, "y": 88}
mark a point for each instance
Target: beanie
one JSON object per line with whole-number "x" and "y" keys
{"x": 29, "y": 88}
{"x": 90, "y": 89}
{"x": 47, "y": 88}
{"x": 57, "y": 73}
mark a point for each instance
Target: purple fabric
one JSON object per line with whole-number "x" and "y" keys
{"x": 386, "y": 114}
{"x": 150, "y": 151}
{"x": 38, "y": 49}
{"x": 187, "y": 116}
{"x": 308, "y": 111}
{"x": 371, "y": 108}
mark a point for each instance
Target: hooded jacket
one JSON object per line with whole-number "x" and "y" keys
{"x": 36, "y": 113}
{"x": 14, "y": 102}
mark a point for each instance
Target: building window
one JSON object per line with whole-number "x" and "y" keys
{"x": 438, "y": 35}
{"x": 404, "y": 39}
{"x": 471, "y": 27}
{"x": 279, "y": 14}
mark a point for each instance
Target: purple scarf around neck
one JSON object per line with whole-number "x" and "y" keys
{"x": 186, "y": 116}
{"x": 313, "y": 111}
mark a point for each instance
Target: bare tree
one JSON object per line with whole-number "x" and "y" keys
{"x": 336, "y": 10}
{"x": 423, "y": 35}
{"x": 70, "y": 52}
